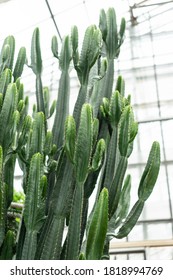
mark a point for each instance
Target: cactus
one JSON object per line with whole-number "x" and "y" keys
{"x": 8, "y": 247}
{"x": 36, "y": 66}
{"x": 83, "y": 152}
{"x": 34, "y": 206}
{"x": 63, "y": 93}
{"x": 98, "y": 228}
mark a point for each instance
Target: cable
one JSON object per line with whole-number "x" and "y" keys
{"x": 53, "y": 18}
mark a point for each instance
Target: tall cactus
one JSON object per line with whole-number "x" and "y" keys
{"x": 85, "y": 151}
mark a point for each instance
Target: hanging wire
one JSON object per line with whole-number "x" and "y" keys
{"x": 53, "y": 18}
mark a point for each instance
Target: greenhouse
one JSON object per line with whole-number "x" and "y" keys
{"x": 86, "y": 129}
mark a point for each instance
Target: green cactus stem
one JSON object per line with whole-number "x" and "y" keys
{"x": 63, "y": 94}
{"x": 21, "y": 60}
{"x": 98, "y": 228}
{"x": 36, "y": 65}
{"x": 34, "y": 207}
{"x": 8, "y": 247}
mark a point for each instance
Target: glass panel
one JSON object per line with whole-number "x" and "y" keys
{"x": 157, "y": 206}
{"x": 167, "y": 132}
{"x": 147, "y": 134}
{"x": 170, "y": 177}
{"x": 159, "y": 231}
{"x": 160, "y": 253}
{"x": 137, "y": 233}
{"x": 122, "y": 255}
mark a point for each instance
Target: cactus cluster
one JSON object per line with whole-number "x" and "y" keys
{"x": 83, "y": 152}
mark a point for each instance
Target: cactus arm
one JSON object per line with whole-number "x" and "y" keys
{"x": 116, "y": 186}
{"x": 46, "y": 97}
{"x": 122, "y": 32}
{"x": 124, "y": 202}
{"x": 63, "y": 93}
{"x": 65, "y": 54}
{"x": 36, "y": 60}
{"x": 24, "y": 133}
{"x": 97, "y": 93}
{"x": 131, "y": 220}
{"x": 146, "y": 185}
{"x": 75, "y": 54}
{"x": 6, "y": 115}
{"x": 60, "y": 116}
{"x": 90, "y": 51}
{"x": 13, "y": 127}
{"x": 84, "y": 144}
{"x": 111, "y": 159}
{"x": 34, "y": 207}
{"x": 7, "y": 53}
{"x": 112, "y": 38}
{"x": 112, "y": 42}
{"x": 7, "y": 250}
{"x": 90, "y": 183}
{"x": 36, "y": 65}
{"x": 21, "y": 59}
{"x": 103, "y": 24}
{"x": 9, "y": 177}
{"x": 5, "y": 79}
{"x": 39, "y": 94}
{"x": 120, "y": 85}
{"x": 124, "y": 131}
{"x": 38, "y": 135}
{"x": 54, "y": 46}
{"x": 122, "y": 209}
{"x": 52, "y": 109}
{"x": 48, "y": 143}
{"x": 70, "y": 137}
{"x": 98, "y": 155}
{"x": 81, "y": 99}
{"x": 150, "y": 173}
{"x": 113, "y": 111}
{"x": 108, "y": 79}
{"x": 98, "y": 228}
